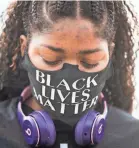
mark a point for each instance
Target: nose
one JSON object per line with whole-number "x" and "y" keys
{"x": 71, "y": 61}
{"x": 72, "y": 58}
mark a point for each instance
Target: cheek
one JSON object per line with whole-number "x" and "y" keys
{"x": 102, "y": 64}
{"x": 37, "y": 61}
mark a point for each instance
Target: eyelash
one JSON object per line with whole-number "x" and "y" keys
{"x": 86, "y": 65}
{"x": 89, "y": 66}
{"x": 53, "y": 63}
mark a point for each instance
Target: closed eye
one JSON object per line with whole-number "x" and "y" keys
{"x": 52, "y": 63}
{"x": 89, "y": 66}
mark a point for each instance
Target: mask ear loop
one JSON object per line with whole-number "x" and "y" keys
{"x": 25, "y": 53}
{"x": 24, "y": 56}
{"x": 26, "y": 48}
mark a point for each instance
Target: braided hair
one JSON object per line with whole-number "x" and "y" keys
{"x": 112, "y": 21}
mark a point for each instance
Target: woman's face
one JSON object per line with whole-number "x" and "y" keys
{"x": 70, "y": 41}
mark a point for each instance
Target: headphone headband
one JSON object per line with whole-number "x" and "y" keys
{"x": 26, "y": 93}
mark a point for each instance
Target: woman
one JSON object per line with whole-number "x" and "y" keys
{"x": 61, "y": 63}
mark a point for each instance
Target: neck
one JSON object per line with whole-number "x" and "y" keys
{"x": 33, "y": 104}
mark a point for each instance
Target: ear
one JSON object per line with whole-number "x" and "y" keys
{"x": 111, "y": 49}
{"x": 23, "y": 44}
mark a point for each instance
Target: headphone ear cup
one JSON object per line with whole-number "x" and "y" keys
{"x": 97, "y": 132}
{"x": 46, "y": 128}
{"x": 30, "y": 130}
{"x": 84, "y": 127}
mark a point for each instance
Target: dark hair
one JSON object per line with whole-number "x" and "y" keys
{"x": 111, "y": 17}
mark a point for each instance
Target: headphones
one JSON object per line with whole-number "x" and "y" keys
{"x": 39, "y": 129}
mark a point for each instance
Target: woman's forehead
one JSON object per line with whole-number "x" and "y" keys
{"x": 71, "y": 34}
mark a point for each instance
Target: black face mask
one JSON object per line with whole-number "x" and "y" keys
{"x": 68, "y": 93}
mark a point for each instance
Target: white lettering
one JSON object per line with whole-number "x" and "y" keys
{"x": 38, "y": 97}
{"x": 65, "y": 84}
{"x": 94, "y": 101}
{"x": 44, "y": 91}
{"x": 48, "y": 103}
{"x": 86, "y": 94}
{"x": 74, "y": 85}
{"x": 40, "y": 76}
{"x": 76, "y": 108}
{"x": 48, "y": 80}
{"x": 74, "y": 96}
{"x": 61, "y": 95}
{"x": 85, "y": 104}
{"x": 62, "y": 111}
{"x": 52, "y": 94}
{"x": 89, "y": 81}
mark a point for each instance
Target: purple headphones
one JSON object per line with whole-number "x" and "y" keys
{"x": 39, "y": 129}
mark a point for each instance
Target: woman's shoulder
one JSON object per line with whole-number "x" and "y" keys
{"x": 122, "y": 130}
{"x": 10, "y": 131}
{"x": 117, "y": 115}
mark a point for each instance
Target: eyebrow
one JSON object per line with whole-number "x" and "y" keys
{"x": 53, "y": 48}
{"x": 85, "y": 51}
{"x": 90, "y": 51}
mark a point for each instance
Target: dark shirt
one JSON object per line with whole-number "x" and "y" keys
{"x": 122, "y": 130}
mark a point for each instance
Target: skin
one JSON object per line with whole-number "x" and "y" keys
{"x": 78, "y": 44}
